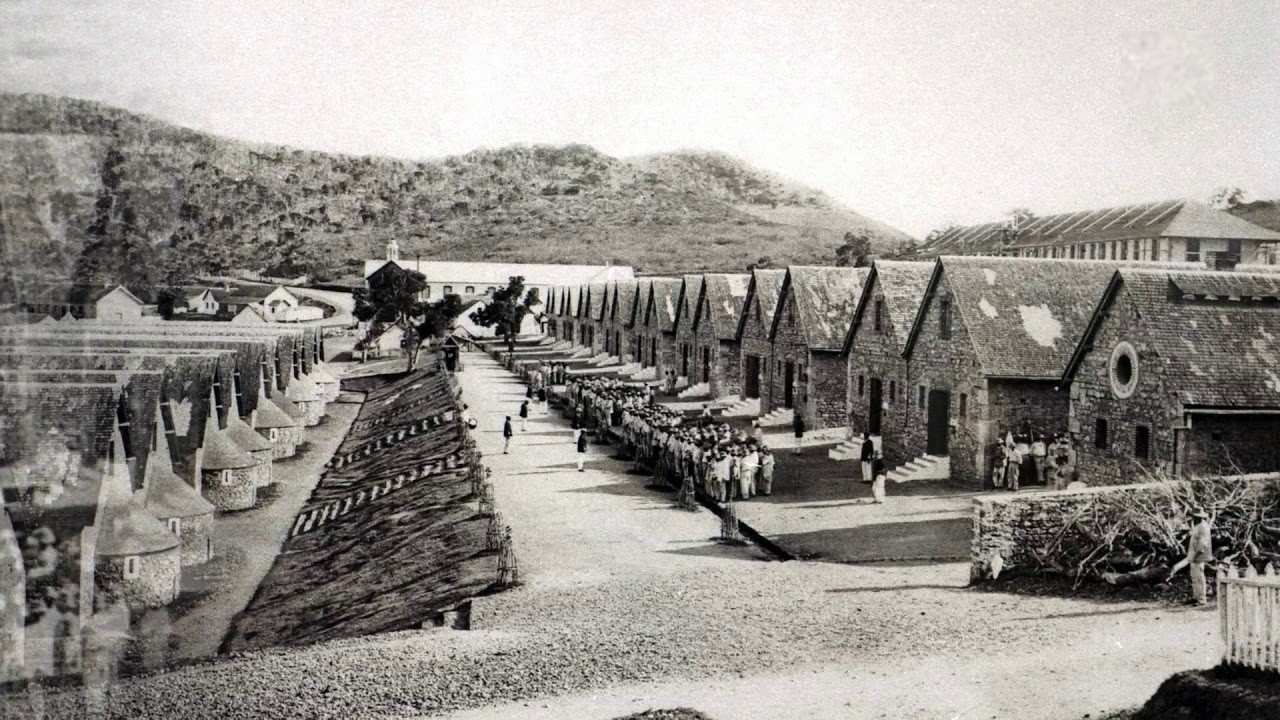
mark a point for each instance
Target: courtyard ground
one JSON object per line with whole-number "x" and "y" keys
{"x": 627, "y": 603}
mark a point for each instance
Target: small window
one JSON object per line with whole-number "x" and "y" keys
{"x": 1113, "y": 250}
{"x": 448, "y": 289}
{"x": 470, "y": 290}
{"x": 921, "y": 398}
{"x": 791, "y": 316}
{"x": 1124, "y": 250}
{"x": 1093, "y": 251}
{"x": 131, "y": 567}
{"x": 944, "y": 318}
{"x": 175, "y": 526}
{"x": 893, "y": 390}
{"x": 861, "y": 385}
{"x": 1142, "y": 442}
{"x": 879, "y": 312}
{"x": 489, "y": 289}
{"x": 964, "y": 405}
{"x": 226, "y": 477}
{"x": 1193, "y": 250}
{"x": 1100, "y": 433}
{"x": 274, "y": 434}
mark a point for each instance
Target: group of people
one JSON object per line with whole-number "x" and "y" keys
{"x": 693, "y": 454}
{"x": 1030, "y": 456}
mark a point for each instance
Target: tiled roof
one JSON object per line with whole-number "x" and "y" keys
{"x": 661, "y": 306}
{"x": 220, "y": 453}
{"x": 130, "y": 528}
{"x": 1025, "y": 315}
{"x": 1173, "y": 218}
{"x": 642, "y": 299}
{"x": 626, "y": 301}
{"x": 902, "y": 285}
{"x": 762, "y": 289}
{"x": 1215, "y": 335}
{"x": 595, "y": 297}
{"x": 825, "y": 298}
{"x": 690, "y": 291}
{"x": 725, "y": 294}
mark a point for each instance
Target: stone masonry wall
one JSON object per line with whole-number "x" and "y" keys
{"x": 876, "y": 355}
{"x": 197, "y": 531}
{"x": 726, "y": 379}
{"x": 239, "y": 493}
{"x": 755, "y": 342}
{"x": 828, "y": 383}
{"x": 1233, "y": 444}
{"x": 156, "y": 584}
{"x": 1013, "y": 526}
{"x": 790, "y": 345}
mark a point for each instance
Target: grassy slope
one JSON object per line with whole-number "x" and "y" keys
{"x": 231, "y": 204}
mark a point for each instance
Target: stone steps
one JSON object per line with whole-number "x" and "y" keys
{"x": 851, "y": 449}
{"x": 925, "y": 467}
{"x": 779, "y": 417}
{"x": 742, "y": 408}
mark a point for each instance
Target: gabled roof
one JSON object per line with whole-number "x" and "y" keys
{"x": 1172, "y": 218}
{"x": 641, "y": 302}
{"x": 596, "y": 293}
{"x": 1024, "y": 315}
{"x": 660, "y": 308}
{"x": 1215, "y": 336}
{"x": 825, "y": 299}
{"x": 902, "y": 285}
{"x": 625, "y": 305}
{"x": 723, "y": 296}
{"x": 762, "y": 289}
{"x": 690, "y": 291}
{"x": 491, "y": 273}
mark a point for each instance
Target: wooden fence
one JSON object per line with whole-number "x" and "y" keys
{"x": 1249, "y": 610}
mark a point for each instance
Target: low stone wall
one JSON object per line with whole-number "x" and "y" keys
{"x": 1014, "y": 526}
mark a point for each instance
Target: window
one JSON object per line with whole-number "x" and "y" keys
{"x": 893, "y": 390}
{"x": 1073, "y": 252}
{"x": 1124, "y": 370}
{"x": 1193, "y": 250}
{"x": 225, "y": 477}
{"x": 175, "y": 526}
{"x": 920, "y": 400}
{"x": 1093, "y": 251}
{"x": 447, "y": 289}
{"x": 131, "y": 567}
{"x": 861, "y": 385}
{"x": 1142, "y": 442}
{"x": 879, "y": 313}
{"x": 964, "y": 405}
{"x": 470, "y": 290}
{"x": 791, "y": 315}
{"x": 944, "y": 318}
{"x": 489, "y": 289}
{"x": 1113, "y": 250}
{"x": 1124, "y": 250}
{"x": 274, "y": 434}
{"x": 1100, "y": 433}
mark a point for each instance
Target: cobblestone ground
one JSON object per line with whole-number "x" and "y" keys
{"x": 626, "y": 604}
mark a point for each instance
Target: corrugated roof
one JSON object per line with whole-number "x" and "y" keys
{"x": 902, "y": 285}
{"x": 1214, "y": 336}
{"x": 724, "y": 295}
{"x": 1025, "y": 315}
{"x": 1171, "y": 218}
{"x": 825, "y": 299}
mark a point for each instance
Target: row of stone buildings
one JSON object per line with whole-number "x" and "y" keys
{"x": 1147, "y": 367}
{"x": 120, "y": 446}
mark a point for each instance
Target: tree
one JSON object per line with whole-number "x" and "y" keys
{"x": 393, "y": 300}
{"x": 761, "y": 263}
{"x": 855, "y": 251}
{"x": 1225, "y": 198}
{"x": 506, "y": 308}
{"x": 438, "y": 317}
{"x": 939, "y": 232}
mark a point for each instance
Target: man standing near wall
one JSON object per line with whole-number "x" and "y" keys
{"x": 507, "y": 432}
{"x": 868, "y": 454}
{"x": 1199, "y": 552}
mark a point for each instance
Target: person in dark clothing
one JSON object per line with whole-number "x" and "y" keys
{"x": 524, "y": 416}
{"x": 878, "y": 472}
{"x": 507, "y": 432}
{"x": 868, "y": 454}
{"x": 582, "y": 450}
{"x": 797, "y": 424}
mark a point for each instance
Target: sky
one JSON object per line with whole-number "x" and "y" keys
{"x": 914, "y": 113}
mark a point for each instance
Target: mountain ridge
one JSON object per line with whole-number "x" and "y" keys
{"x": 102, "y": 193}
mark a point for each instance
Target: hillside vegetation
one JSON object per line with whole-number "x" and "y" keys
{"x": 107, "y": 194}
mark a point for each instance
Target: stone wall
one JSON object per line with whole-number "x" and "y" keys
{"x": 790, "y": 345}
{"x": 156, "y": 584}
{"x": 876, "y": 355}
{"x": 726, "y": 378}
{"x": 1233, "y": 443}
{"x": 1013, "y": 526}
{"x": 238, "y": 493}
{"x": 828, "y": 397}
{"x": 755, "y": 342}
{"x": 196, "y": 534}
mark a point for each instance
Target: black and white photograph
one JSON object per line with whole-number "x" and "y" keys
{"x": 607, "y": 360}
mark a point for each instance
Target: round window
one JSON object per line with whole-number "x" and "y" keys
{"x": 1124, "y": 370}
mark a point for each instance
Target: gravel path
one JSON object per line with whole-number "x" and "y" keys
{"x": 626, "y": 605}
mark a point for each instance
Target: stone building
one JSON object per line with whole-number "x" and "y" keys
{"x": 227, "y": 476}
{"x": 1170, "y": 231}
{"x": 248, "y": 439}
{"x": 986, "y": 352}
{"x": 878, "y": 384}
{"x": 755, "y": 324}
{"x": 176, "y": 504}
{"x": 592, "y": 310}
{"x": 657, "y": 325}
{"x": 716, "y": 361}
{"x": 621, "y": 314}
{"x": 282, "y": 431}
{"x": 686, "y": 306}
{"x": 1176, "y": 375}
{"x": 815, "y": 307}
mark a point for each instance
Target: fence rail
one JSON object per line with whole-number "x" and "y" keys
{"x": 1249, "y": 610}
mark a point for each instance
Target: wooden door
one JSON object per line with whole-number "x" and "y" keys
{"x": 875, "y": 406}
{"x": 788, "y": 385}
{"x": 751, "y": 377}
{"x": 706, "y": 364}
{"x": 939, "y": 422}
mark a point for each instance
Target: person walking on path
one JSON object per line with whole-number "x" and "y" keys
{"x": 507, "y": 432}
{"x": 1199, "y": 552}
{"x": 582, "y": 449}
{"x": 868, "y": 454}
{"x": 877, "y": 471}
{"x": 524, "y": 416}
{"x": 797, "y": 424}
{"x": 766, "y": 471}
{"x": 542, "y": 399}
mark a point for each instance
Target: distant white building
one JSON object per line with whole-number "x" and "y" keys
{"x": 476, "y": 279}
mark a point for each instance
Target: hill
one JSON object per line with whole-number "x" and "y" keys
{"x": 1265, "y": 213}
{"x": 104, "y": 193}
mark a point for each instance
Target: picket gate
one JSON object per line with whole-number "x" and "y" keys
{"x": 1249, "y": 612}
